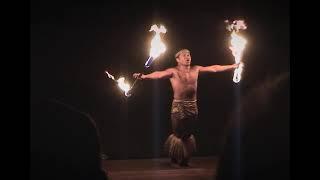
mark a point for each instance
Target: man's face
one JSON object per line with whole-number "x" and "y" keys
{"x": 184, "y": 58}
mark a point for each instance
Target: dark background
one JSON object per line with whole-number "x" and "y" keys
{"x": 72, "y": 43}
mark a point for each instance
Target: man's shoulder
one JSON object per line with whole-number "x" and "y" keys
{"x": 172, "y": 69}
{"x": 195, "y": 67}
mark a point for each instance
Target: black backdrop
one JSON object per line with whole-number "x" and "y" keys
{"x": 73, "y": 43}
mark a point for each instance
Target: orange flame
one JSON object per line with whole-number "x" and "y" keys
{"x": 157, "y": 46}
{"x": 238, "y": 44}
{"x": 237, "y": 47}
{"x": 125, "y": 87}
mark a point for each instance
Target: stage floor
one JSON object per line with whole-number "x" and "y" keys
{"x": 201, "y": 168}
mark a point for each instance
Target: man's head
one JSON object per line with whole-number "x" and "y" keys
{"x": 183, "y": 57}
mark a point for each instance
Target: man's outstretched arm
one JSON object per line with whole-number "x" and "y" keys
{"x": 155, "y": 75}
{"x": 218, "y": 68}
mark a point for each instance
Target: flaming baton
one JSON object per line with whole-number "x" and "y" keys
{"x": 238, "y": 44}
{"x": 157, "y": 46}
{"x": 125, "y": 87}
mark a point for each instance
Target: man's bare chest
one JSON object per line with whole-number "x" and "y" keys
{"x": 187, "y": 77}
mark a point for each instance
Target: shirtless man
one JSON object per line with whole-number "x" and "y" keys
{"x": 184, "y": 111}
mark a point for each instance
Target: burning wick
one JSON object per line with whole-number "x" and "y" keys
{"x": 237, "y": 46}
{"x": 157, "y": 46}
{"x": 125, "y": 87}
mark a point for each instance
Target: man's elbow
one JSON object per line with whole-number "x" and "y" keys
{"x": 162, "y": 76}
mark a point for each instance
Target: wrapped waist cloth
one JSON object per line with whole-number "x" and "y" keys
{"x": 184, "y": 115}
{"x": 182, "y": 143}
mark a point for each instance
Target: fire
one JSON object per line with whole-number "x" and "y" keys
{"x": 237, "y": 46}
{"x": 157, "y": 46}
{"x": 109, "y": 75}
{"x": 124, "y": 86}
{"x": 237, "y": 73}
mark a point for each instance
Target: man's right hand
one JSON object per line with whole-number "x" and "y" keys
{"x": 237, "y": 65}
{"x": 137, "y": 76}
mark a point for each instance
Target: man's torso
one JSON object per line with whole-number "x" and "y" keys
{"x": 184, "y": 83}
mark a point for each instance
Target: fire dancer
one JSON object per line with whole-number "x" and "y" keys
{"x": 184, "y": 111}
